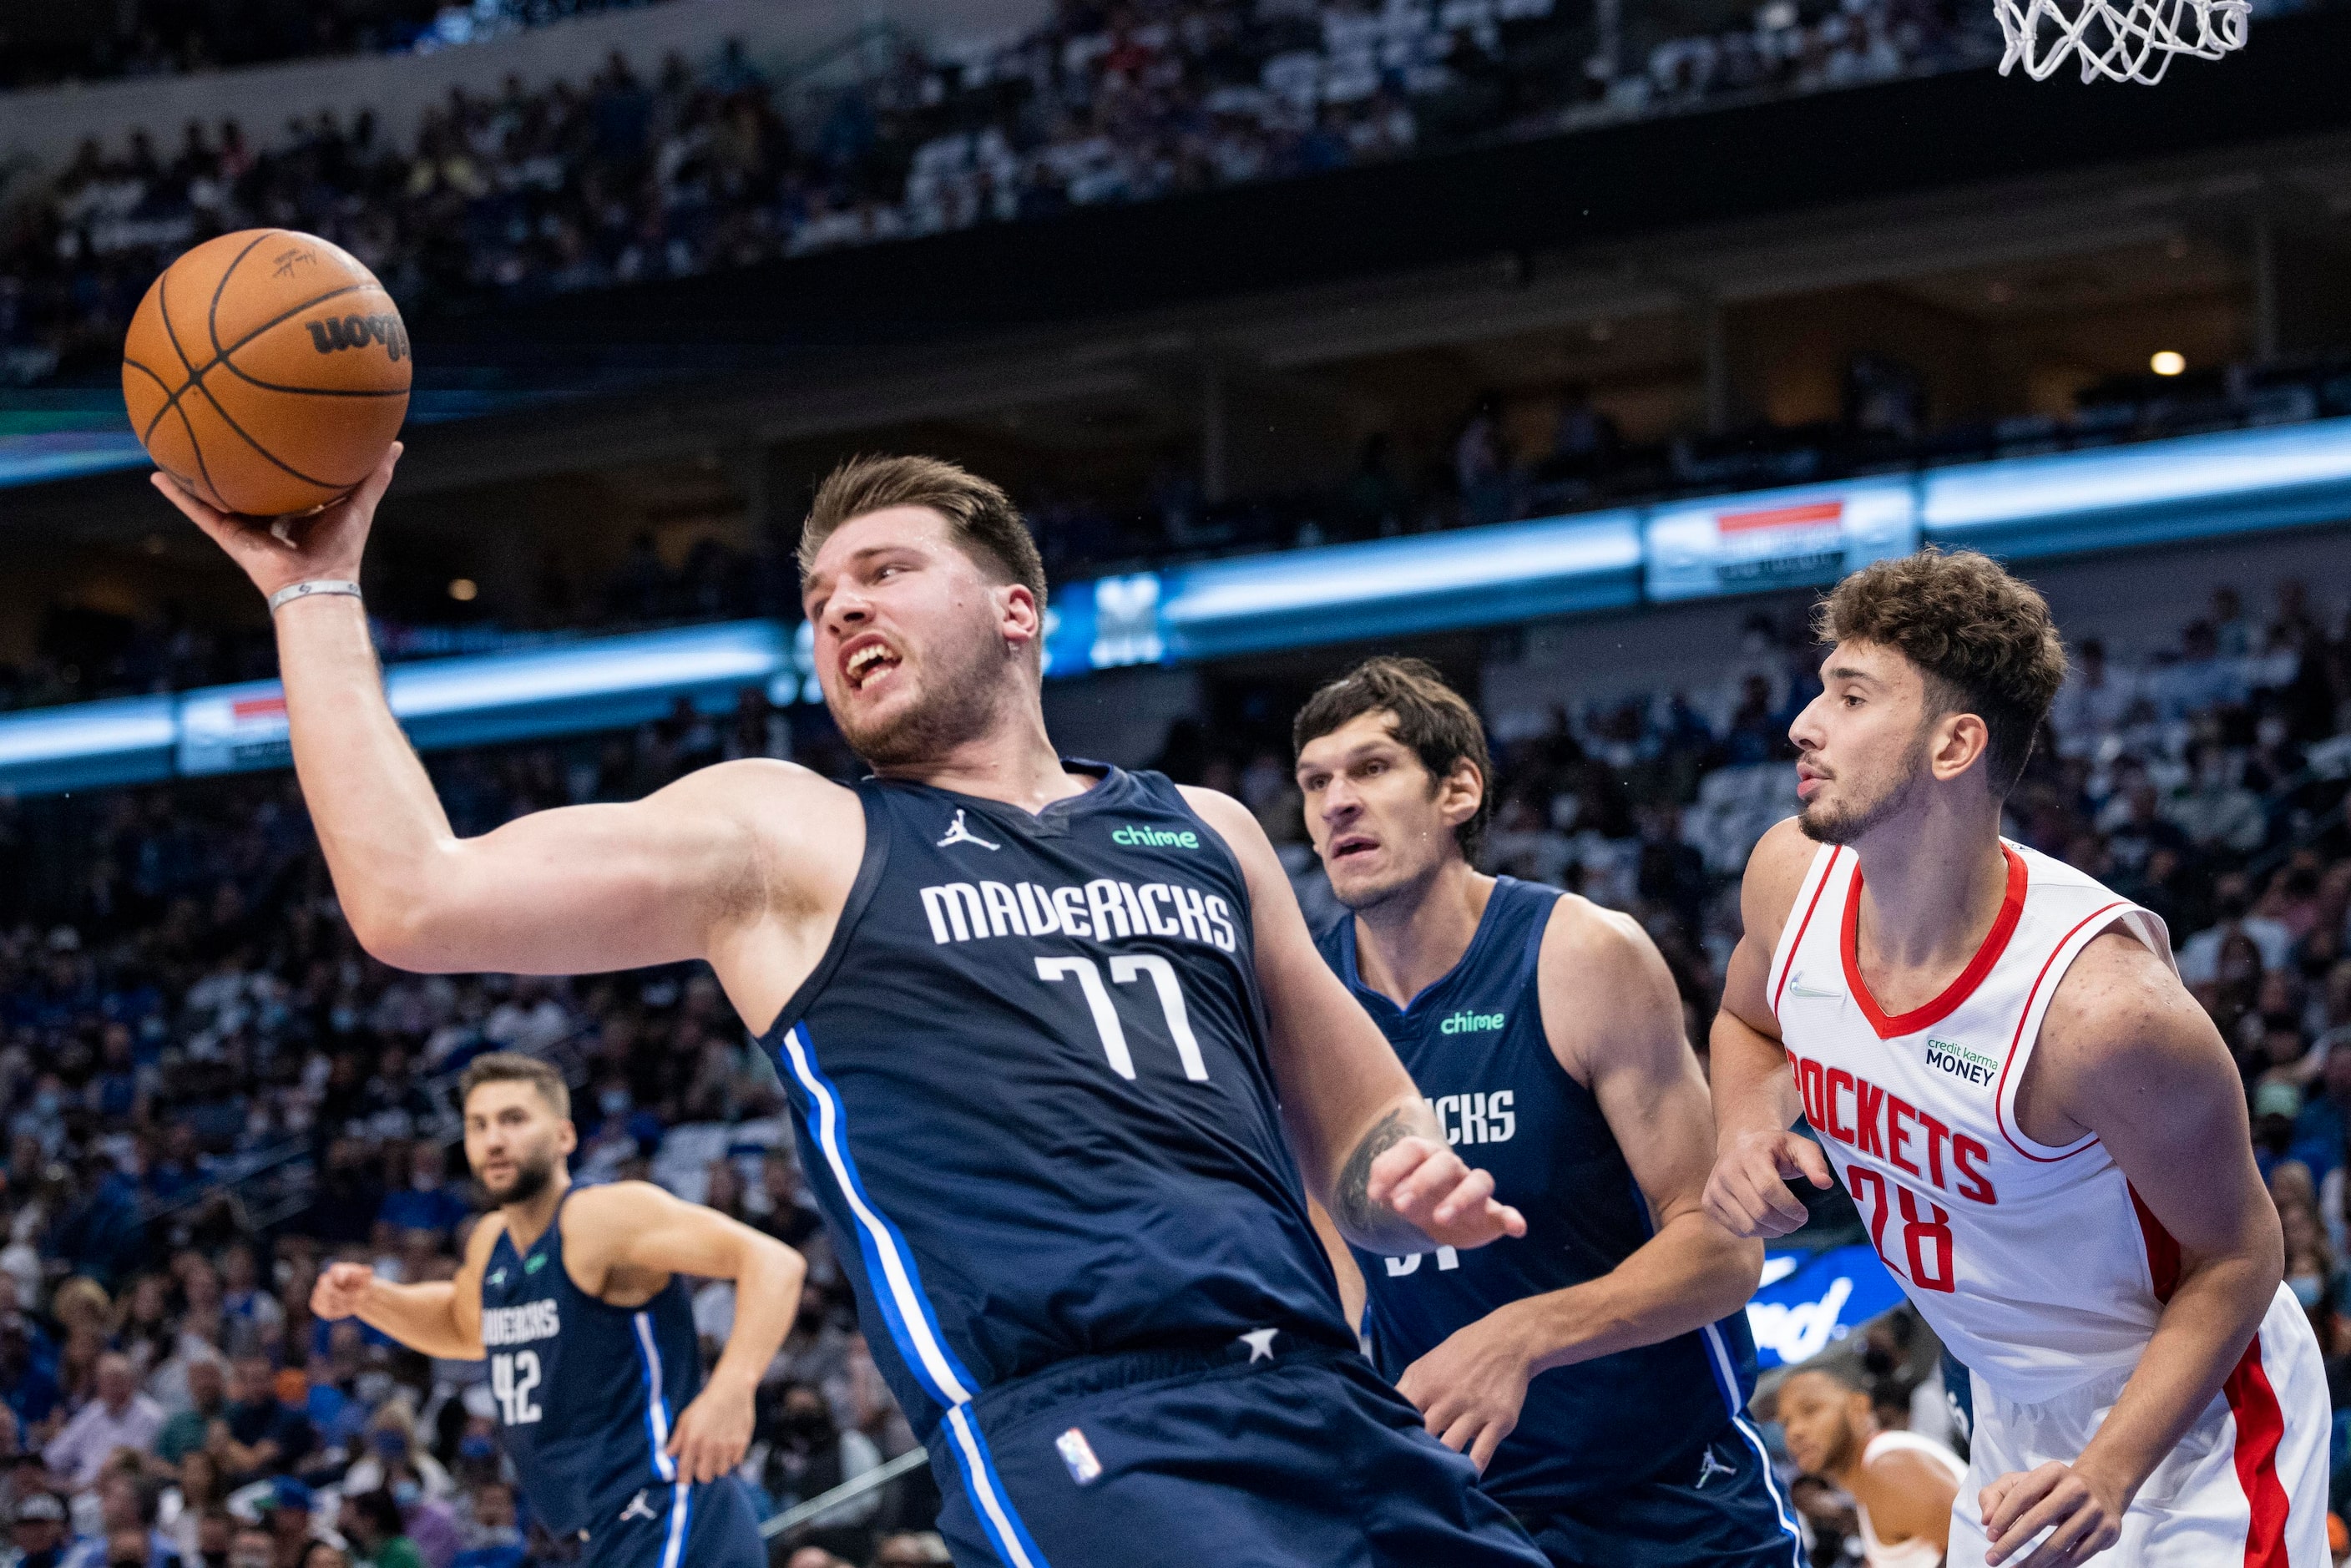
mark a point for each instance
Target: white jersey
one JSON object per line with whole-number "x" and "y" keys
{"x": 2037, "y": 1266}
{"x": 1917, "y": 1552}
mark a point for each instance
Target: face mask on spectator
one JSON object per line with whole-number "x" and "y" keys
{"x": 391, "y": 1443}
{"x": 477, "y": 1449}
{"x": 406, "y": 1493}
{"x": 2307, "y": 1290}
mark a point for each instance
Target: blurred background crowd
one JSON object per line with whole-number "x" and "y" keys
{"x": 657, "y": 169}
{"x": 208, "y": 1090}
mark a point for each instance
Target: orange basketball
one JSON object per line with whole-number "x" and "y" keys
{"x": 267, "y": 372}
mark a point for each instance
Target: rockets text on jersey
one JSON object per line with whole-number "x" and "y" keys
{"x": 2039, "y": 1267}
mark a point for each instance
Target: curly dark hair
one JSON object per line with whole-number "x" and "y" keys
{"x": 1984, "y": 640}
{"x": 1431, "y": 717}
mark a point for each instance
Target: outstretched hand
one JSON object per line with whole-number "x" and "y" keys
{"x": 2082, "y": 1512}
{"x": 327, "y": 543}
{"x": 1431, "y": 1188}
{"x": 712, "y": 1434}
{"x": 1748, "y": 1193}
{"x": 340, "y": 1289}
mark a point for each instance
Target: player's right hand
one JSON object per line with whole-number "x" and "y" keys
{"x": 1432, "y": 1189}
{"x": 340, "y": 1289}
{"x": 326, "y": 544}
{"x": 1748, "y": 1194}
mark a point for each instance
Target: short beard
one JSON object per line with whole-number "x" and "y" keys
{"x": 1848, "y": 826}
{"x": 961, "y": 709}
{"x": 531, "y": 1177}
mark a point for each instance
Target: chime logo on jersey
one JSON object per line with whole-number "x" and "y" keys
{"x": 1968, "y": 1066}
{"x": 1470, "y": 1023}
{"x": 1144, "y": 837}
{"x": 1101, "y": 909}
{"x": 520, "y": 1325}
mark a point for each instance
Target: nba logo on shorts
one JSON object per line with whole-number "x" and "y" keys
{"x": 1079, "y": 1455}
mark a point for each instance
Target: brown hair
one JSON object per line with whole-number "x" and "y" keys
{"x": 1429, "y": 717}
{"x": 981, "y": 518}
{"x": 1984, "y": 639}
{"x": 514, "y": 1067}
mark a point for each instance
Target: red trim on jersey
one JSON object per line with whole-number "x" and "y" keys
{"x": 1999, "y": 1089}
{"x": 1995, "y": 943}
{"x": 2260, "y": 1424}
{"x": 1822, "y": 886}
{"x": 2162, "y": 1251}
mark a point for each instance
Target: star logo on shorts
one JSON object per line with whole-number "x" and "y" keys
{"x": 957, "y": 833}
{"x": 638, "y": 1509}
{"x": 1261, "y": 1343}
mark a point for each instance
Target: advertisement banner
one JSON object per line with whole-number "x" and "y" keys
{"x": 1746, "y": 544}
{"x": 229, "y": 729}
{"x": 1810, "y": 1300}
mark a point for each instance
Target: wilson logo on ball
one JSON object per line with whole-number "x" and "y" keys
{"x": 337, "y": 333}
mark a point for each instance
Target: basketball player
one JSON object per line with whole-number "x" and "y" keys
{"x": 2045, "y": 1133}
{"x": 1059, "y": 1046}
{"x": 1902, "y": 1484}
{"x": 1595, "y": 1369}
{"x": 574, "y": 1296}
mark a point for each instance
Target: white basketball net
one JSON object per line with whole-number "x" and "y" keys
{"x": 2123, "y": 40}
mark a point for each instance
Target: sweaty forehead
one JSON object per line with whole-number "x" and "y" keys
{"x": 891, "y": 527}
{"x": 1369, "y": 731}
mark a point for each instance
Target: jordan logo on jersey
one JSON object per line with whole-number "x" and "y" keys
{"x": 957, "y": 833}
{"x": 638, "y": 1509}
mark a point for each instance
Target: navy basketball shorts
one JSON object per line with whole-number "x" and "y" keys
{"x": 1720, "y": 1508}
{"x": 1261, "y": 1456}
{"x": 712, "y": 1526}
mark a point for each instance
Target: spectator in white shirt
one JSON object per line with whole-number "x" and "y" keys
{"x": 119, "y": 1418}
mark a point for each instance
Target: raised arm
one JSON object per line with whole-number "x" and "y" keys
{"x": 564, "y": 892}
{"x": 442, "y": 1319}
{"x": 1632, "y": 1055}
{"x": 2125, "y": 1053}
{"x": 634, "y": 1231}
{"x": 1755, "y": 1097}
{"x": 1369, "y": 1146}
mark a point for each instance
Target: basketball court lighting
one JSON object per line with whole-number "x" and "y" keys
{"x": 2167, "y": 362}
{"x": 463, "y": 590}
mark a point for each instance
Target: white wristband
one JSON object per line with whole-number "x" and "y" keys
{"x": 294, "y": 591}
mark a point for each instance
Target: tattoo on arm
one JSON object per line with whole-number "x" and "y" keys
{"x": 1371, "y": 1225}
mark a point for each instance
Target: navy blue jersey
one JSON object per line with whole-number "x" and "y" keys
{"x": 1032, "y": 1093}
{"x": 1475, "y": 1044}
{"x": 586, "y": 1391}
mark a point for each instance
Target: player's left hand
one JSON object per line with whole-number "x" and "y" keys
{"x": 1429, "y": 1186}
{"x": 1471, "y": 1388}
{"x": 712, "y": 1435}
{"x": 2082, "y": 1514}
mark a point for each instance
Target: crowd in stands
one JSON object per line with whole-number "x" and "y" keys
{"x": 637, "y": 174}
{"x": 207, "y": 1090}
{"x": 172, "y": 38}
